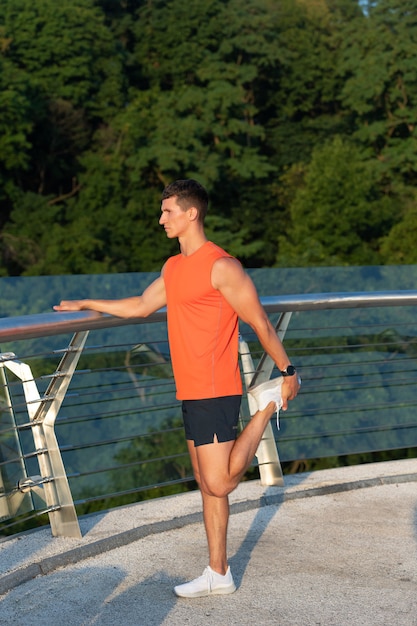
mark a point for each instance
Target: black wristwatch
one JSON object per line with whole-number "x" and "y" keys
{"x": 289, "y": 371}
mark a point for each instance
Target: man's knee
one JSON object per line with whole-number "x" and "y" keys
{"x": 217, "y": 488}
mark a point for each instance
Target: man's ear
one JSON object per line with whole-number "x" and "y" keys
{"x": 193, "y": 213}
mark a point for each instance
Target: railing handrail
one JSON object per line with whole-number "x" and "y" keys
{"x": 337, "y": 300}
{"x": 57, "y": 323}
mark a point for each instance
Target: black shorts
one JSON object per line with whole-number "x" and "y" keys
{"x": 204, "y": 419}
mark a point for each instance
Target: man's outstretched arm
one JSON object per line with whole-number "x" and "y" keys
{"x": 152, "y": 299}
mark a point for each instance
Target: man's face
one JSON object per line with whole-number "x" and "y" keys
{"x": 174, "y": 220}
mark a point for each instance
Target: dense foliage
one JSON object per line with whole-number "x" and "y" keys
{"x": 298, "y": 115}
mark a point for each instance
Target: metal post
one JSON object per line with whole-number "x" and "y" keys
{"x": 4, "y": 509}
{"x": 11, "y": 502}
{"x": 42, "y": 413}
{"x": 267, "y": 453}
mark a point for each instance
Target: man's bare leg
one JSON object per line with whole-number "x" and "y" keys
{"x": 218, "y": 468}
{"x": 216, "y": 518}
{"x": 222, "y": 465}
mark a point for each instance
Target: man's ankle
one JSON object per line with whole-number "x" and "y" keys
{"x": 221, "y": 570}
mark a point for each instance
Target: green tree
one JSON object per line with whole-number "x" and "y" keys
{"x": 67, "y": 56}
{"x": 335, "y": 216}
{"x": 190, "y": 113}
{"x": 303, "y": 103}
{"x": 194, "y": 111}
{"x": 380, "y": 87}
{"x": 62, "y": 78}
{"x": 398, "y": 247}
{"x": 67, "y": 49}
{"x": 15, "y": 129}
{"x": 16, "y": 94}
{"x": 102, "y": 103}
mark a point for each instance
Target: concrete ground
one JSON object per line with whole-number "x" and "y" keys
{"x": 332, "y": 548}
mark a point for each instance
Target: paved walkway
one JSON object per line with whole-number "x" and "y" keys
{"x": 336, "y": 547}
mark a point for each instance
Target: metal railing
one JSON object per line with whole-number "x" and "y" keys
{"x": 40, "y": 481}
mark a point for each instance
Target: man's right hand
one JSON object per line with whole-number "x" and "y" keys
{"x": 69, "y": 305}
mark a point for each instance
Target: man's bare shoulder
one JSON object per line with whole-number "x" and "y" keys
{"x": 226, "y": 270}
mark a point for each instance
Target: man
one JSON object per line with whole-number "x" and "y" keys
{"x": 206, "y": 291}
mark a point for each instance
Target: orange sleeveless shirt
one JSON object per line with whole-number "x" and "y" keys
{"x": 202, "y": 328}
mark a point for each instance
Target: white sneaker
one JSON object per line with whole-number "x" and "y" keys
{"x": 268, "y": 392}
{"x": 210, "y": 583}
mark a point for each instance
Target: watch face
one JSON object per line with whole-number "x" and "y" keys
{"x": 290, "y": 370}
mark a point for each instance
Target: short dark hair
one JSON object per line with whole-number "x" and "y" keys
{"x": 188, "y": 192}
